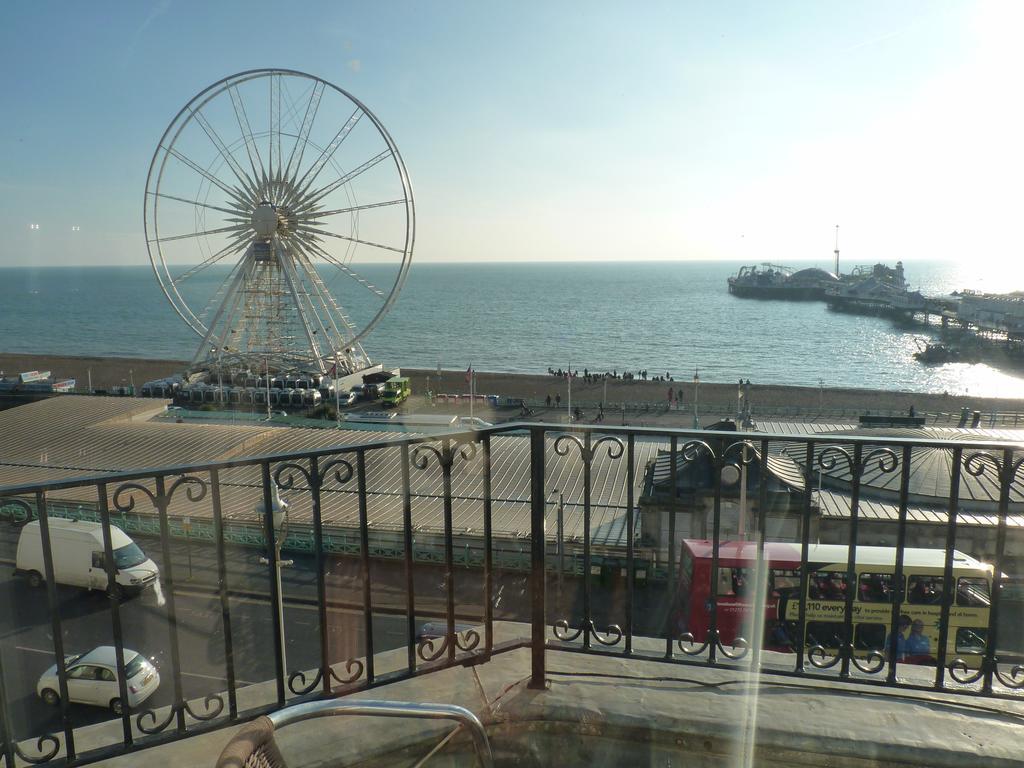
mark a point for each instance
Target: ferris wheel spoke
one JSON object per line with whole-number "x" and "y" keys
{"x": 221, "y": 293}
{"x": 295, "y": 160}
{"x": 232, "y": 228}
{"x": 225, "y": 153}
{"x": 165, "y": 196}
{"x": 324, "y": 304}
{"x": 320, "y": 214}
{"x": 345, "y": 268}
{"x": 328, "y": 152}
{"x": 325, "y": 233}
{"x": 330, "y": 306}
{"x": 334, "y": 312}
{"x": 291, "y": 280}
{"x": 314, "y": 197}
{"x": 274, "y": 139}
{"x": 234, "y": 194}
{"x": 239, "y": 244}
{"x": 250, "y": 143}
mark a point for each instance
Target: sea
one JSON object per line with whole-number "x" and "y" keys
{"x": 673, "y": 318}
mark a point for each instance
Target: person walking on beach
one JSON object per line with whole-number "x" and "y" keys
{"x": 548, "y": 400}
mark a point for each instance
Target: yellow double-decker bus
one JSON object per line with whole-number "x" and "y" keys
{"x": 875, "y": 589}
{"x": 919, "y": 592}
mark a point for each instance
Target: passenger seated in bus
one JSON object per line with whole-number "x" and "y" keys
{"x": 739, "y": 583}
{"x": 874, "y": 590}
{"x": 817, "y": 589}
{"x": 901, "y": 639}
{"x": 923, "y": 593}
{"x": 918, "y": 647}
{"x": 828, "y": 588}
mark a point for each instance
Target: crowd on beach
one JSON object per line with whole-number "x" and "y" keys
{"x": 593, "y": 376}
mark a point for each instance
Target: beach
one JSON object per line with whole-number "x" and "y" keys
{"x": 712, "y": 397}
{"x": 106, "y": 372}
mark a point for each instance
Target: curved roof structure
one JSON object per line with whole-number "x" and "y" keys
{"x": 931, "y": 468}
{"x": 814, "y": 274}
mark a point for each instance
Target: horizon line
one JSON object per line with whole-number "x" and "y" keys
{"x": 682, "y": 260}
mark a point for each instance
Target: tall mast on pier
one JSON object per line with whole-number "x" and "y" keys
{"x": 836, "y": 251}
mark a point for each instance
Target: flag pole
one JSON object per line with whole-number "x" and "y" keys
{"x": 337, "y": 392}
{"x": 472, "y": 394}
{"x": 569, "y": 399}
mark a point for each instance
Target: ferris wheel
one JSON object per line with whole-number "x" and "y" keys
{"x": 280, "y": 223}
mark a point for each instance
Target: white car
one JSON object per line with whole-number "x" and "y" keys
{"x": 92, "y": 679}
{"x": 347, "y": 398}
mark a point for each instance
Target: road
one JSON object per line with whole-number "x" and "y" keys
{"x": 26, "y": 646}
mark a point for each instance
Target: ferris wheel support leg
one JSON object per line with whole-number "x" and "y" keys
{"x": 315, "y": 356}
{"x": 204, "y": 345}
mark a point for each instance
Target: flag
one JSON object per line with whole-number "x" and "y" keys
{"x": 469, "y": 374}
{"x": 333, "y": 371}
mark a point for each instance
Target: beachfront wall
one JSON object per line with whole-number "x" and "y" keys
{"x": 589, "y": 610}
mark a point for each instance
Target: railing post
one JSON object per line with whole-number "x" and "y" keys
{"x": 537, "y": 544}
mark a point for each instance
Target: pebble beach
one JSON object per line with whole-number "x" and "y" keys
{"x": 713, "y": 397}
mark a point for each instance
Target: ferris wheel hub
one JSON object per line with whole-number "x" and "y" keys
{"x": 265, "y": 220}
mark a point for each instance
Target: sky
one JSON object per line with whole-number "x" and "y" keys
{"x": 556, "y": 131}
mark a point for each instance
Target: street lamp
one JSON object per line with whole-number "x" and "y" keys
{"x": 696, "y": 384}
{"x": 559, "y": 535}
{"x": 731, "y": 475}
{"x": 279, "y": 513}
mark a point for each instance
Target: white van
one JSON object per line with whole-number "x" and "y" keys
{"x": 77, "y": 548}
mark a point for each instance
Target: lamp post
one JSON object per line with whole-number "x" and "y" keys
{"x": 279, "y": 512}
{"x": 731, "y": 475}
{"x": 559, "y": 535}
{"x": 696, "y": 385}
{"x": 568, "y": 402}
{"x": 821, "y": 395}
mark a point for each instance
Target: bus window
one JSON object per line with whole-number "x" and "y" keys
{"x": 827, "y": 634}
{"x": 869, "y": 637}
{"x": 784, "y": 582}
{"x": 827, "y": 585}
{"x": 971, "y": 639}
{"x": 878, "y": 588}
{"x": 972, "y": 592}
{"x": 924, "y": 590}
{"x": 726, "y": 580}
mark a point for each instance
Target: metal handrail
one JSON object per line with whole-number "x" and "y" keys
{"x": 377, "y": 708}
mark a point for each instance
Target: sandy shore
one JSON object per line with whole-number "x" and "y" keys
{"x": 716, "y": 396}
{"x": 106, "y": 372}
{"x": 114, "y": 371}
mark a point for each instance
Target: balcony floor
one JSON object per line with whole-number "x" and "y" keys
{"x": 609, "y": 711}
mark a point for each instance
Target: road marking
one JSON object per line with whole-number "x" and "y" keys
{"x": 218, "y": 678}
{"x": 266, "y": 602}
{"x": 33, "y": 650}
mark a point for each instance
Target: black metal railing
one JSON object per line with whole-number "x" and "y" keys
{"x": 502, "y": 471}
